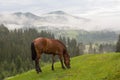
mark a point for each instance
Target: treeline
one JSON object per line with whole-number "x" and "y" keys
{"x": 118, "y": 45}
{"x": 90, "y": 36}
{"x": 94, "y": 48}
{"x": 98, "y": 36}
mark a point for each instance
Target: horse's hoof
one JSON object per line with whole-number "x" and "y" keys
{"x": 39, "y": 71}
{"x": 52, "y": 69}
{"x": 63, "y": 68}
{"x": 68, "y": 67}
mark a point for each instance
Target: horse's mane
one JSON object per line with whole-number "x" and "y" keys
{"x": 65, "y": 50}
{"x": 61, "y": 43}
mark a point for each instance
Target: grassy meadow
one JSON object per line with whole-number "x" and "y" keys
{"x": 85, "y": 67}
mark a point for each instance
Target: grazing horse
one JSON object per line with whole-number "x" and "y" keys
{"x": 49, "y": 46}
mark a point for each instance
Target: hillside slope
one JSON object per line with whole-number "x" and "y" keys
{"x": 85, "y": 67}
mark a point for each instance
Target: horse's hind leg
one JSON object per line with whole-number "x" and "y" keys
{"x": 53, "y": 60}
{"x": 38, "y": 69}
{"x": 61, "y": 60}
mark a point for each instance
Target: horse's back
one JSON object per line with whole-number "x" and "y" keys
{"x": 40, "y": 41}
{"x": 48, "y": 41}
{"x": 49, "y": 45}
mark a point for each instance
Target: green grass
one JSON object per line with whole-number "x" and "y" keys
{"x": 85, "y": 67}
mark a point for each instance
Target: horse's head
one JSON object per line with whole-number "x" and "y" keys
{"x": 67, "y": 60}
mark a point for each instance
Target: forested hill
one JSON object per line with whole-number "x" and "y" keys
{"x": 85, "y": 67}
{"x": 89, "y": 36}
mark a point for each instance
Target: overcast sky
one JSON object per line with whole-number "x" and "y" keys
{"x": 87, "y": 7}
{"x": 102, "y": 10}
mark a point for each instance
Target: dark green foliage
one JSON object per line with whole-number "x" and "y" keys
{"x": 73, "y": 47}
{"x": 90, "y": 50}
{"x": 81, "y": 48}
{"x": 101, "y": 48}
{"x": 105, "y": 47}
{"x": 118, "y": 45}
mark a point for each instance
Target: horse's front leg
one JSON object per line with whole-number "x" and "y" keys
{"x": 61, "y": 60}
{"x": 38, "y": 69}
{"x": 53, "y": 60}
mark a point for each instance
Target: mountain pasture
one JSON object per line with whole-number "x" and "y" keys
{"x": 85, "y": 67}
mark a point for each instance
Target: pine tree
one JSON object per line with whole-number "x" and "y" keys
{"x": 90, "y": 50}
{"x": 81, "y": 48}
{"x": 118, "y": 45}
{"x": 101, "y": 48}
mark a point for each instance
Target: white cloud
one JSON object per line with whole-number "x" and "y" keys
{"x": 72, "y": 6}
{"x": 14, "y": 2}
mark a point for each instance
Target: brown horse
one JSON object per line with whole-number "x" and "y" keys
{"x": 49, "y": 46}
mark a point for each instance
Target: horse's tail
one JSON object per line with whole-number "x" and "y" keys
{"x": 33, "y": 51}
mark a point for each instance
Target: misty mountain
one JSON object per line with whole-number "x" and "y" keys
{"x": 62, "y": 17}
{"x": 27, "y": 15}
{"x": 58, "y": 12}
{"x": 55, "y": 19}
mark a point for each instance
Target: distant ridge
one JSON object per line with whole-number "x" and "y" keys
{"x": 54, "y": 19}
{"x": 27, "y": 14}
{"x": 57, "y": 12}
